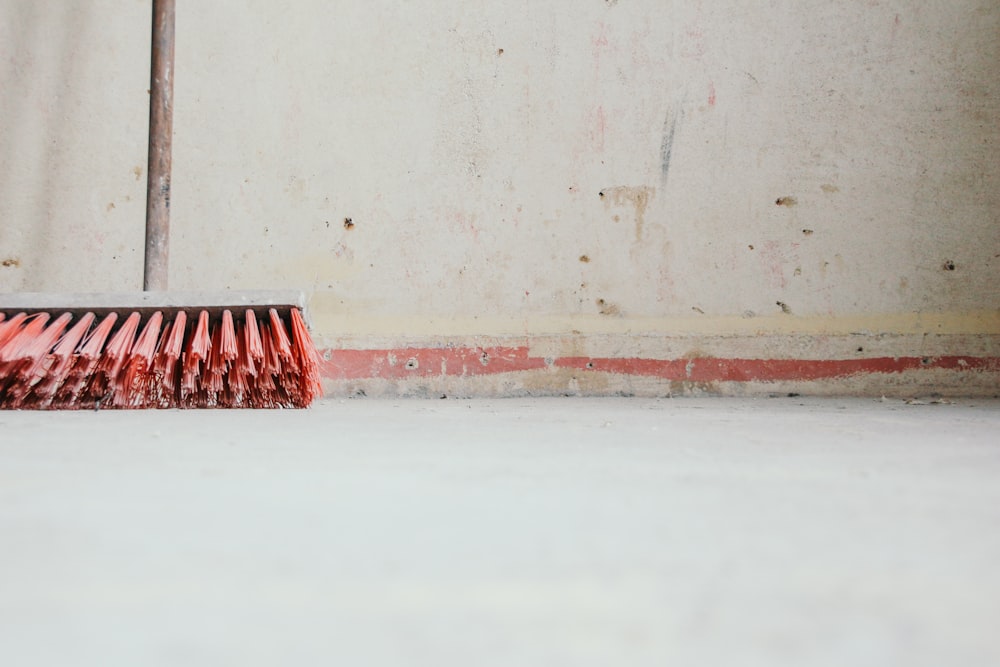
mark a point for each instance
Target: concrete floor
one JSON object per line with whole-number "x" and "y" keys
{"x": 507, "y": 532}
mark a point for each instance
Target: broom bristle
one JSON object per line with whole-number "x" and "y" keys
{"x": 155, "y": 362}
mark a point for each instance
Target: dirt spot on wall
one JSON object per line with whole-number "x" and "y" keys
{"x": 786, "y": 201}
{"x": 585, "y": 258}
{"x": 807, "y": 232}
{"x": 829, "y": 189}
{"x": 608, "y": 308}
{"x": 784, "y": 307}
{"x": 948, "y": 265}
{"x": 686, "y": 388}
{"x": 137, "y": 171}
{"x": 635, "y": 197}
{"x": 348, "y": 224}
{"x": 11, "y": 262}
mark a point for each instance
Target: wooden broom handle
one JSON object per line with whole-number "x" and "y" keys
{"x": 161, "y": 122}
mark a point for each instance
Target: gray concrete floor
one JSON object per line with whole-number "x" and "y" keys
{"x": 509, "y": 532}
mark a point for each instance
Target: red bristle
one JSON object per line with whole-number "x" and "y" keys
{"x": 271, "y": 362}
{"x": 9, "y": 328}
{"x": 215, "y": 368}
{"x": 197, "y": 352}
{"x": 168, "y": 353}
{"x": 10, "y": 350}
{"x": 255, "y": 349}
{"x": 62, "y": 360}
{"x": 229, "y": 350}
{"x": 35, "y": 353}
{"x": 303, "y": 344}
{"x": 238, "y": 375}
{"x": 270, "y": 365}
{"x": 135, "y": 381}
{"x": 108, "y": 379}
{"x": 280, "y": 337}
{"x": 87, "y": 356}
{"x": 26, "y": 359}
{"x": 116, "y": 351}
{"x": 145, "y": 344}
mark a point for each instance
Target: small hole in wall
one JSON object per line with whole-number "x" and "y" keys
{"x": 601, "y": 194}
{"x": 499, "y": 52}
{"x": 948, "y": 265}
{"x": 750, "y": 246}
{"x": 348, "y": 224}
{"x": 590, "y": 364}
{"x": 861, "y": 349}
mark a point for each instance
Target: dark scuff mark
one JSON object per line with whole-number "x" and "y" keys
{"x": 667, "y": 145}
{"x": 11, "y": 262}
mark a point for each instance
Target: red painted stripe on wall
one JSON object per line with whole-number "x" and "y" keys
{"x": 402, "y": 363}
{"x": 710, "y": 369}
{"x": 426, "y": 362}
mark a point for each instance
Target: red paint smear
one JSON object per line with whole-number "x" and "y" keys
{"x": 711, "y": 94}
{"x": 401, "y": 363}
{"x": 709, "y": 369}
{"x": 426, "y": 362}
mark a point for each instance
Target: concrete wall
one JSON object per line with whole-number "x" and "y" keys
{"x": 576, "y": 196}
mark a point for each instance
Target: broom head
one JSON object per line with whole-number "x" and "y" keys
{"x": 156, "y": 350}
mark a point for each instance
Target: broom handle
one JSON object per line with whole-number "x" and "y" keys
{"x": 161, "y": 122}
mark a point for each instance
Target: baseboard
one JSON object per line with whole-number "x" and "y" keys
{"x": 862, "y": 364}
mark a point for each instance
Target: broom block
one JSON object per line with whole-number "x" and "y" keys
{"x": 147, "y": 303}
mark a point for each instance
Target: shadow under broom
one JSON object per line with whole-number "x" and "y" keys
{"x": 172, "y": 349}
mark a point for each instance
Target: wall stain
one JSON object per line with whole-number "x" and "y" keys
{"x": 667, "y": 144}
{"x": 829, "y": 189}
{"x": 607, "y": 308}
{"x": 11, "y": 262}
{"x": 786, "y": 201}
{"x": 636, "y": 196}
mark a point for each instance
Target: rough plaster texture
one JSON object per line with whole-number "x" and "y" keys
{"x": 566, "y": 168}
{"x": 797, "y": 533}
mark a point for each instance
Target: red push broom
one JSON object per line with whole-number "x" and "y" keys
{"x": 157, "y": 349}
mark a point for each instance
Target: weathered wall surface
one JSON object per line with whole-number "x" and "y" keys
{"x": 588, "y": 181}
